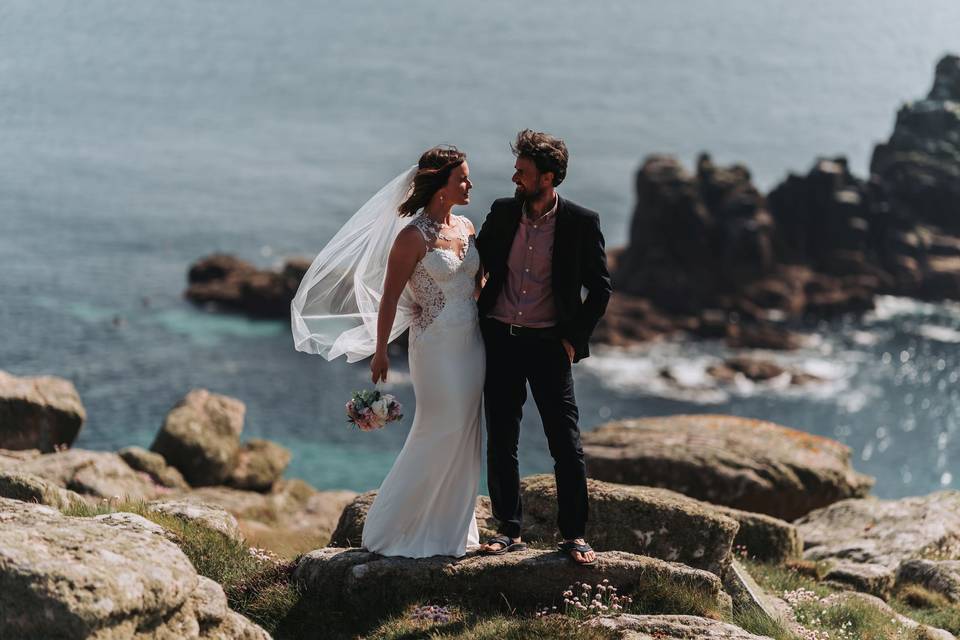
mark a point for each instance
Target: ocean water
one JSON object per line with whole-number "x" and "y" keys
{"x": 139, "y": 136}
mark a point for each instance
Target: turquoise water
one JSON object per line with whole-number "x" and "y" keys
{"x": 139, "y": 136}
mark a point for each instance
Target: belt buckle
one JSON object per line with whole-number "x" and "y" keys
{"x": 512, "y": 327}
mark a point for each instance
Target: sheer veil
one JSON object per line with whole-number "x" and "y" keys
{"x": 334, "y": 312}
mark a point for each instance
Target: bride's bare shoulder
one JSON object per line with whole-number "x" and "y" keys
{"x": 410, "y": 241}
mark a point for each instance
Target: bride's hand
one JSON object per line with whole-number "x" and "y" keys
{"x": 379, "y": 366}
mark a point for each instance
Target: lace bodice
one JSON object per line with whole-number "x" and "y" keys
{"x": 443, "y": 282}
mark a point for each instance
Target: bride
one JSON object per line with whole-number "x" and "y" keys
{"x": 404, "y": 260}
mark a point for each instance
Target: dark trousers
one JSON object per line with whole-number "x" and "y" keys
{"x": 512, "y": 361}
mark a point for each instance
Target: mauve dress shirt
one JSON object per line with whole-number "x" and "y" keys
{"x": 527, "y": 295}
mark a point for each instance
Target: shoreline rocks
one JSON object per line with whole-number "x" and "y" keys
{"x": 200, "y": 437}
{"x": 39, "y": 412}
{"x": 746, "y": 464}
{"x": 643, "y": 520}
{"x": 222, "y": 280}
{"x": 78, "y": 577}
{"x": 358, "y": 581}
{"x": 868, "y": 540}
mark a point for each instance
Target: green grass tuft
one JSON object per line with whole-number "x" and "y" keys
{"x": 498, "y": 627}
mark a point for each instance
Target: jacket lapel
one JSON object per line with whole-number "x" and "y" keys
{"x": 561, "y": 232}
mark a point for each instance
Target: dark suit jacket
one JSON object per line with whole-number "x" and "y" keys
{"x": 579, "y": 261}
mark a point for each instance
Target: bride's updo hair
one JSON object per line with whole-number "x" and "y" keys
{"x": 433, "y": 171}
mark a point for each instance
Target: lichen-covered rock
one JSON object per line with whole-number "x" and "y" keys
{"x": 99, "y": 474}
{"x": 868, "y": 538}
{"x": 358, "y": 581}
{"x": 349, "y": 531}
{"x": 764, "y": 537}
{"x": 10, "y": 458}
{"x": 134, "y": 522}
{"x": 868, "y": 577}
{"x": 41, "y": 412}
{"x": 743, "y": 463}
{"x": 642, "y": 520}
{"x": 292, "y": 510}
{"x": 154, "y": 465}
{"x": 63, "y": 577}
{"x": 668, "y": 627}
{"x": 260, "y": 463}
{"x": 28, "y": 488}
{"x": 939, "y": 576}
{"x": 201, "y": 436}
{"x": 209, "y": 516}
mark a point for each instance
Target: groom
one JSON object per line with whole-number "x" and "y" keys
{"x": 538, "y": 252}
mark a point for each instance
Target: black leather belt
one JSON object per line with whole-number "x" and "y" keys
{"x": 520, "y": 331}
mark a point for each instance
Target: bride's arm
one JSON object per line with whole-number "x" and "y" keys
{"x": 408, "y": 249}
{"x": 481, "y": 278}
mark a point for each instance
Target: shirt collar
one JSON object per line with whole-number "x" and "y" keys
{"x": 545, "y": 217}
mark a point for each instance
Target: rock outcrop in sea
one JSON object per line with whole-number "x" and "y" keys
{"x": 711, "y": 256}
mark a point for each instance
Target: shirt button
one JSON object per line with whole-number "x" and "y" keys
{"x": 534, "y": 226}
{"x": 520, "y": 313}
{"x": 531, "y": 248}
{"x": 524, "y": 291}
{"x": 527, "y": 270}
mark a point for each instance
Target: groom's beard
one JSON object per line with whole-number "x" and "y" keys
{"x": 526, "y": 197}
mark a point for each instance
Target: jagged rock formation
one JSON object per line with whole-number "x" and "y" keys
{"x": 42, "y": 412}
{"x": 226, "y": 281}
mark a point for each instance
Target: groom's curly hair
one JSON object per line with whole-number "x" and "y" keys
{"x": 434, "y": 169}
{"x": 547, "y": 152}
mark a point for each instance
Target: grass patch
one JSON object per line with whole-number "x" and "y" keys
{"x": 790, "y": 576}
{"x": 854, "y": 619}
{"x": 256, "y": 587}
{"x": 927, "y": 607}
{"x": 466, "y": 626}
{"x": 754, "y": 620}
{"x": 676, "y": 599}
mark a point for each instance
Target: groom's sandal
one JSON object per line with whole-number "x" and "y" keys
{"x": 506, "y": 545}
{"x": 569, "y": 547}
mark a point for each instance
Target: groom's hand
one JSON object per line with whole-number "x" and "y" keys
{"x": 569, "y": 349}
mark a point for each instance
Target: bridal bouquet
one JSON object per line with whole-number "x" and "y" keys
{"x": 371, "y": 410}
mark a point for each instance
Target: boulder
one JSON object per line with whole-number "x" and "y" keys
{"x": 41, "y": 412}
{"x": 154, "y": 465}
{"x": 939, "y": 576}
{"x": 349, "y": 530}
{"x": 868, "y": 539}
{"x": 99, "y": 474}
{"x": 10, "y": 459}
{"x": 293, "y": 517}
{"x": 201, "y": 436}
{"x": 204, "y": 514}
{"x": 28, "y": 488}
{"x": 743, "y": 463}
{"x": 355, "y": 580}
{"x": 260, "y": 463}
{"x": 63, "y": 577}
{"x": 630, "y": 626}
{"x": 642, "y": 520}
{"x": 763, "y": 537}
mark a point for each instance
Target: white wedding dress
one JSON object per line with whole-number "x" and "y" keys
{"x": 425, "y": 506}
